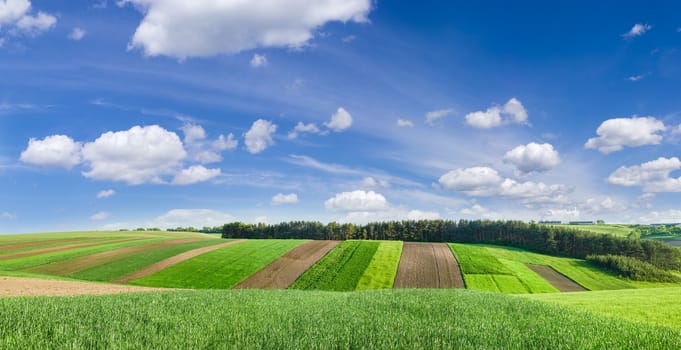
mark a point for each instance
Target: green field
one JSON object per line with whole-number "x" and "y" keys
{"x": 611, "y": 229}
{"x": 380, "y": 274}
{"x": 122, "y": 267}
{"x": 256, "y": 319}
{"x": 222, "y": 268}
{"x": 341, "y": 269}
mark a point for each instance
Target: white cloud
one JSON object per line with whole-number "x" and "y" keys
{"x": 603, "y": 205}
{"x": 475, "y": 180}
{"x": 423, "y": 215}
{"x": 77, "y": 34}
{"x": 102, "y": 215}
{"x": 135, "y": 156}
{"x": 105, "y": 194}
{"x": 182, "y": 29}
{"x": 2, "y": 42}
{"x": 195, "y": 174}
{"x": 12, "y": 10}
{"x": 14, "y": 14}
{"x": 207, "y": 157}
{"x": 191, "y": 217}
{"x": 512, "y": 112}
{"x": 404, "y": 123}
{"x": 281, "y": 198}
{"x": 258, "y": 61}
{"x": 671, "y": 216}
{"x": 561, "y": 214}
{"x": 341, "y": 120}
{"x": 677, "y": 130}
{"x": 55, "y": 150}
{"x": 8, "y": 216}
{"x": 636, "y": 77}
{"x": 637, "y": 30}
{"x": 433, "y": 116}
{"x": 652, "y": 176}
{"x": 535, "y": 192}
{"x": 193, "y": 133}
{"x": 34, "y": 25}
{"x": 614, "y": 134}
{"x": 259, "y": 136}
{"x": 533, "y": 158}
{"x": 230, "y": 143}
{"x": 475, "y": 210}
{"x": 357, "y": 201}
{"x": 302, "y": 128}
{"x": 371, "y": 182}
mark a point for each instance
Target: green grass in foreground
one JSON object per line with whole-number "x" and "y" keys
{"x": 222, "y": 268}
{"x": 658, "y": 306}
{"x": 380, "y": 274}
{"x": 341, "y": 269}
{"x": 122, "y": 267}
{"x": 256, "y": 319}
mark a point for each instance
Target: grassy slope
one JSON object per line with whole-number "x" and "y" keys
{"x": 122, "y": 267}
{"x": 341, "y": 269}
{"x": 33, "y": 237}
{"x": 615, "y": 230}
{"x": 380, "y": 273}
{"x": 222, "y": 268}
{"x": 656, "y": 306}
{"x": 255, "y": 319}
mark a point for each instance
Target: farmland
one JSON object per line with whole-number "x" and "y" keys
{"x": 380, "y": 273}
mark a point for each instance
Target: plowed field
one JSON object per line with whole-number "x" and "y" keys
{"x": 428, "y": 265}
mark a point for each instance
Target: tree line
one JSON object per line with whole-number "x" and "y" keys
{"x": 552, "y": 240}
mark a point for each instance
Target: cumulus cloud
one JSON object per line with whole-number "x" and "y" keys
{"x": 56, "y": 150}
{"x": 614, "y": 134}
{"x": 105, "y": 194}
{"x": 77, "y": 34}
{"x": 404, "y": 123}
{"x": 340, "y": 121}
{"x": 102, "y": 215}
{"x": 371, "y": 182}
{"x": 182, "y": 29}
{"x": 561, "y": 214}
{"x": 258, "y": 61}
{"x": 671, "y": 216}
{"x": 653, "y": 176}
{"x": 533, "y": 158}
{"x": 195, "y": 174}
{"x": 193, "y": 133}
{"x": 302, "y": 128}
{"x": 191, "y": 217}
{"x": 222, "y": 143}
{"x": 512, "y": 112}
{"x": 281, "y": 198}
{"x": 357, "y": 201}
{"x": 15, "y": 14}
{"x": 485, "y": 181}
{"x": 135, "y": 156}
{"x": 637, "y": 30}
{"x": 603, "y": 205}
{"x": 423, "y": 215}
{"x": 475, "y": 210}
{"x": 259, "y": 136}
{"x": 433, "y": 116}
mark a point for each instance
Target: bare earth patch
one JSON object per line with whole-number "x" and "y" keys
{"x": 428, "y": 265}
{"x": 19, "y": 286}
{"x": 172, "y": 261}
{"x": 281, "y": 273}
{"x": 556, "y": 279}
{"x": 85, "y": 262}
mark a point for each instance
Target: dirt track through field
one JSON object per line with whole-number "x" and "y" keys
{"x": 281, "y": 273}
{"x": 85, "y": 262}
{"x": 19, "y": 286}
{"x": 556, "y": 279}
{"x": 63, "y": 248}
{"x": 173, "y": 260}
{"x": 428, "y": 265}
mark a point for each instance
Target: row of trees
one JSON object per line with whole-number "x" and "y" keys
{"x": 553, "y": 240}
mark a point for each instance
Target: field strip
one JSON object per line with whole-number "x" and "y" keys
{"x": 428, "y": 265}
{"x": 20, "y": 286}
{"x": 281, "y": 273}
{"x": 63, "y": 248}
{"x": 36, "y": 244}
{"x": 172, "y": 261}
{"x": 85, "y": 262}
{"x": 556, "y": 279}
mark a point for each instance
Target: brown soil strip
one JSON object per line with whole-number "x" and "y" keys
{"x": 16, "y": 286}
{"x": 85, "y": 262}
{"x": 281, "y": 273}
{"x": 18, "y": 255}
{"x": 428, "y": 265}
{"x": 172, "y": 261}
{"x": 556, "y": 279}
{"x": 33, "y": 244}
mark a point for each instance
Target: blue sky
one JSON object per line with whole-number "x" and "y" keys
{"x": 120, "y": 114}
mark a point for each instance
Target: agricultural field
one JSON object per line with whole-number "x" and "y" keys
{"x": 611, "y": 229}
{"x": 380, "y": 274}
